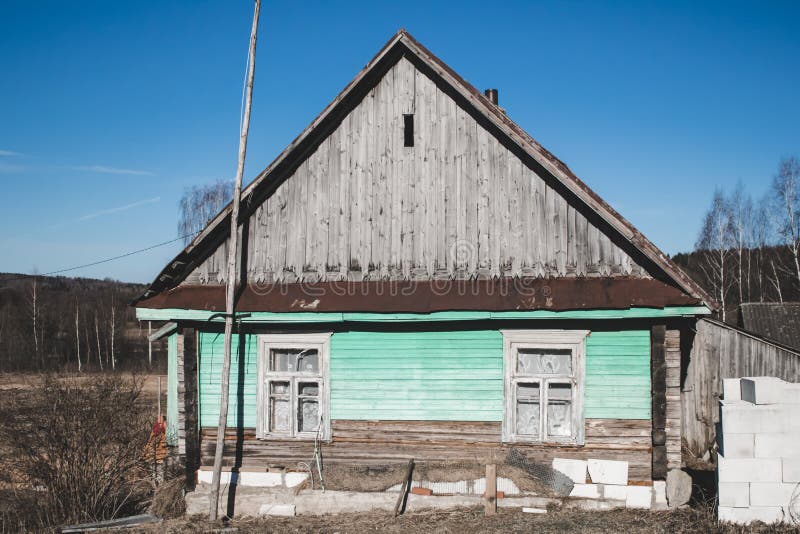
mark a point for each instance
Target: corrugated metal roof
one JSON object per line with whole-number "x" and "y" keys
{"x": 774, "y": 320}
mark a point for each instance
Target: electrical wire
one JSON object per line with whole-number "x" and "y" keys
{"x": 100, "y": 262}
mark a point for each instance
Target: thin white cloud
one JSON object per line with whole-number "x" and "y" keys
{"x": 111, "y": 170}
{"x": 9, "y": 153}
{"x": 119, "y": 209}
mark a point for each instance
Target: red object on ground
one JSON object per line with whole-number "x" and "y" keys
{"x": 421, "y": 491}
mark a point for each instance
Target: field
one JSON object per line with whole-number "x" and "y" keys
{"x": 466, "y": 521}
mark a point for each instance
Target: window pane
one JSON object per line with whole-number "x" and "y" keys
{"x": 279, "y": 416}
{"x": 308, "y": 361}
{"x": 307, "y": 415}
{"x": 544, "y": 361}
{"x": 279, "y": 388}
{"x": 294, "y": 360}
{"x": 528, "y": 418}
{"x": 559, "y": 410}
{"x": 529, "y": 390}
{"x": 308, "y": 389}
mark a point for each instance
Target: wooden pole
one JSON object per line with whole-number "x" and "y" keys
{"x": 149, "y": 345}
{"x": 232, "y": 274}
{"x": 490, "y": 502}
{"x": 159, "y": 400}
{"x": 400, "y": 505}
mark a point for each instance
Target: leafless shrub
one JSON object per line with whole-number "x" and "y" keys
{"x": 79, "y": 445}
{"x": 168, "y": 500}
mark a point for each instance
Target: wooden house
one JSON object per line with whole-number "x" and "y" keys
{"x": 420, "y": 278}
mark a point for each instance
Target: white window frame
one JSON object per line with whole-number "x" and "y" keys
{"x": 513, "y": 341}
{"x": 267, "y": 342}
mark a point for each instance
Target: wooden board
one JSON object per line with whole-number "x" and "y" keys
{"x": 457, "y": 204}
{"x": 382, "y": 442}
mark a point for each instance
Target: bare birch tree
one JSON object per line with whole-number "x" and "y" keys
{"x": 786, "y": 191}
{"x": 714, "y": 244}
{"x": 201, "y": 203}
{"x": 741, "y": 206}
{"x": 78, "y": 335}
{"x": 34, "y": 303}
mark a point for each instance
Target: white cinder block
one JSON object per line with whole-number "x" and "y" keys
{"x": 762, "y": 389}
{"x": 660, "y": 492}
{"x": 781, "y": 445}
{"x": 771, "y": 493}
{"x": 791, "y": 394}
{"x": 736, "y": 445}
{"x": 746, "y": 418}
{"x": 791, "y": 470}
{"x": 585, "y": 491}
{"x": 261, "y": 480}
{"x": 640, "y": 497}
{"x": 734, "y": 494}
{"x": 608, "y": 472}
{"x": 617, "y": 493}
{"x": 749, "y": 469}
{"x": 744, "y": 516}
{"x": 295, "y": 479}
{"x": 731, "y": 389}
{"x": 527, "y": 510}
{"x": 282, "y": 510}
{"x": 574, "y": 469}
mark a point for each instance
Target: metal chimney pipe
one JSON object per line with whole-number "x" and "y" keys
{"x": 491, "y": 94}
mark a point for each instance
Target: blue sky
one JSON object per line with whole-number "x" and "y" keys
{"x": 109, "y": 110}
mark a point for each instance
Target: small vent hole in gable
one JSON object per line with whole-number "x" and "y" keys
{"x": 408, "y": 130}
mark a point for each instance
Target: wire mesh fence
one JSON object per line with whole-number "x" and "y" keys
{"x": 515, "y": 472}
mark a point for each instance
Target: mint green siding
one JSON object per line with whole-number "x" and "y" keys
{"x": 242, "y": 387}
{"x": 432, "y": 375}
{"x": 452, "y": 376}
{"x": 618, "y": 375}
{"x": 172, "y": 389}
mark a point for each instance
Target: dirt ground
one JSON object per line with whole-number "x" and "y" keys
{"x": 472, "y": 520}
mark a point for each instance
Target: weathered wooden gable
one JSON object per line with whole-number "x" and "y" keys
{"x": 457, "y": 204}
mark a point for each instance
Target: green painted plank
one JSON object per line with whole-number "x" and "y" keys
{"x": 211, "y": 350}
{"x": 150, "y": 314}
{"x": 618, "y": 375}
{"x": 436, "y": 376}
{"x": 421, "y": 375}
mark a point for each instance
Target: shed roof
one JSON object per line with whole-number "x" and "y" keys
{"x": 777, "y": 321}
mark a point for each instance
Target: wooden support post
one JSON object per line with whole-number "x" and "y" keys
{"x": 490, "y": 497}
{"x": 187, "y": 347}
{"x": 658, "y": 380}
{"x": 402, "y": 499}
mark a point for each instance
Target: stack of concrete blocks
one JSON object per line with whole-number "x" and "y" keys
{"x": 609, "y": 482}
{"x": 759, "y": 450}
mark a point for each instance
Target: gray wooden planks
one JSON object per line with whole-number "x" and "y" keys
{"x": 458, "y": 204}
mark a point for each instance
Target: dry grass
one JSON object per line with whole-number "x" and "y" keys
{"x": 472, "y": 520}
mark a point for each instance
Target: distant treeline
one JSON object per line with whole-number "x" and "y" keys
{"x": 56, "y": 323}
{"x": 748, "y": 250}
{"x": 762, "y": 279}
